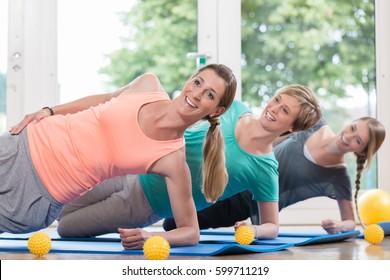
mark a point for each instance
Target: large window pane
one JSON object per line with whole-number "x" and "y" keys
{"x": 328, "y": 45}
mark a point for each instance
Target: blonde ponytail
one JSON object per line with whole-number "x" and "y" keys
{"x": 215, "y": 176}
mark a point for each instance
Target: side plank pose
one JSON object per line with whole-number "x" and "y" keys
{"x": 135, "y": 130}
{"x": 311, "y": 164}
{"x": 250, "y": 163}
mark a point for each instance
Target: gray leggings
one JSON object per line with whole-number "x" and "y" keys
{"x": 117, "y": 202}
{"x": 25, "y": 203}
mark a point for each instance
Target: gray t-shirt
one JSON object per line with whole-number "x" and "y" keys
{"x": 300, "y": 178}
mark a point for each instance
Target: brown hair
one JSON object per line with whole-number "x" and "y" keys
{"x": 310, "y": 112}
{"x": 377, "y": 136}
{"x": 215, "y": 176}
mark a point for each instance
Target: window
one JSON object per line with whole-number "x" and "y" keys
{"x": 328, "y": 45}
{"x": 276, "y": 18}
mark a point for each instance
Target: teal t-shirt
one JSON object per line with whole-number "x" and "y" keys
{"x": 246, "y": 171}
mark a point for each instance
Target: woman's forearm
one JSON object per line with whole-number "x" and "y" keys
{"x": 266, "y": 231}
{"x": 80, "y": 104}
{"x": 185, "y": 236}
{"x": 347, "y": 225}
{"x": 332, "y": 226}
{"x": 85, "y": 102}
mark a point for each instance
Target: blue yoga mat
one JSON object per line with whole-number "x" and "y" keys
{"x": 110, "y": 237}
{"x": 297, "y": 238}
{"x": 386, "y": 227}
{"x": 112, "y": 247}
{"x": 289, "y": 233}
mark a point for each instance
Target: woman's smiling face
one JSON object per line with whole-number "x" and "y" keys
{"x": 280, "y": 113}
{"x": 354, "y": 137}
{"x": 202, "y": 94}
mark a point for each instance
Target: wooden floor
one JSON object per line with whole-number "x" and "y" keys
{"x": 352, "y": 249}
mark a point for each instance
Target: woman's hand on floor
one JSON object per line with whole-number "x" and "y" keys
{"x": 133, "y": 238}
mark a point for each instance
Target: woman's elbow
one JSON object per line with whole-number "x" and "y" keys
{"x": 274, "y": 234}
{"x": 195, "y": 237}
{"x": 274, "y": 231}
{"x": 269, "y": 231}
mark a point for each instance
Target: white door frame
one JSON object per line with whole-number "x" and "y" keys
{"x": 32, "y": 81}
{"x": 219, "y": 34}
{"x": 382, "y": 12}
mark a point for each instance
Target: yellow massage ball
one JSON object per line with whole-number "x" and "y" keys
{"x": 39, "y": 244}
{"x": 244, "y": 235}
{"x": 156, "y": 248}
{"x": 374, "y": 234}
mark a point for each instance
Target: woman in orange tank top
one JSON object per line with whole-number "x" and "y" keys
{"x": 206, "y": 95}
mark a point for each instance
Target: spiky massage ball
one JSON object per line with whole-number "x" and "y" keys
{"x": 374, "y": 234}
{"x": 39, "y": 244}
{"x": 244, "y": 235}
{"x": 156, "y": 248}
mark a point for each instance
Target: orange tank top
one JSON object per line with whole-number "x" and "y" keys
{"x": 75, "y": 152}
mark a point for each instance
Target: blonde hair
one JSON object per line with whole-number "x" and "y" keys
{"x": 215, "y": 176}
{"x": 377, "y": 134}
{"x": 310, "y": 112}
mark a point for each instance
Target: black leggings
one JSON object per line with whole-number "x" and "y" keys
{"x": 224, "y": 213}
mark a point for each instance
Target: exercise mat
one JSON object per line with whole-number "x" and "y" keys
{"x": 297, "y": 238}
{"x": 97, "y": 246}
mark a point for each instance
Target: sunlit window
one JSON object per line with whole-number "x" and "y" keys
{"x": 328, "y": 45}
